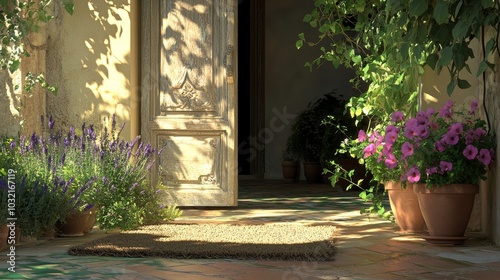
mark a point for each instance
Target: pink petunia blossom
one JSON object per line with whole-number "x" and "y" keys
{"x": 391, "y": 161}
{"x": 473, "y": 107}
{"x": 470, "y": 152}
{"x": 397, "y": 116}
{"x": 432, "y": 170}
{"x": 470, "y": 136}
{"x": 480, "y": 133}
{"x": 413, "y": 175}
{"x": 407, "y": 149}
{"x": 450, "y": 138}
{"x": 422, "y": 120}
{"x": 440, "y": 146}
{"x": 391, "y": 128}
{"x": 457, "y": 128}
{"x": 445, "y": 166}
{"x": 429, "y": 112}
{"x": 391, "y": 137}
{"x": 484, "y": 156}
{"x": 423, "y": 131}
{"x": 361, "y": 135}
{"x": 434, "y": 126}
{"x": 411, "y": 132}
{"x": 369, "y": 150}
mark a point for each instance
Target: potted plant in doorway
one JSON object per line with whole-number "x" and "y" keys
{"x": 290, "y": 165}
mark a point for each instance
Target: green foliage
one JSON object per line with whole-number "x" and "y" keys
{"x": 18, "y": 19}
{"x": 310, "y": 126}
{"x": 389, "y": 42}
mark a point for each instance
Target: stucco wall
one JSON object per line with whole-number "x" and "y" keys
{"x": 289, "y": 86}
{"x": 89, "y": 58}
{"x": 10, "y": 103}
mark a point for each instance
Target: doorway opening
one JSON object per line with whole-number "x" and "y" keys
{"x": 251, "y": 153}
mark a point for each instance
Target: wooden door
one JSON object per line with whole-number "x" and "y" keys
{"x": 189, "y": 98}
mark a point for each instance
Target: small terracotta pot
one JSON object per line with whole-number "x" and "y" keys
{"x": 313, "y": 172}
{"x": 290, "y": 171}
{"x": 404, "y": 205}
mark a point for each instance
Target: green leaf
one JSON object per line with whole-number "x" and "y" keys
{"x": 418, "y": 8}
{"x": 487, "y": 3}
{"x": 446, "y": 55}
{"x": 463, "y": 84}
{"x": 307, "y": 18}
{"x": 301, "y": 36}
{"x": 441, "y": 12}
{"x": 432, "y": 60}
{"x": 450, "y": 87}
{"x": 460, "y": 30}
{"x": 299, "y": 44}
{"x": 69, "y": 6}
{"x": 483, "y": 66}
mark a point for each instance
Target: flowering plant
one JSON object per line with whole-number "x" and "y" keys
{"x": 448, "y": 146}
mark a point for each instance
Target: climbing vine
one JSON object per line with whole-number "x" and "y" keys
{"x": 18, "y": 18}
{"x": 389, "y": 42}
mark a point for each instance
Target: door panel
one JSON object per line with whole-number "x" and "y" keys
{"x": 189, "y": 98}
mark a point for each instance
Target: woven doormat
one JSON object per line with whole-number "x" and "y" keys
{"x": 218, "y": 241}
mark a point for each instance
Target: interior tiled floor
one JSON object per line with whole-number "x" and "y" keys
{"x": 369, "y": 248}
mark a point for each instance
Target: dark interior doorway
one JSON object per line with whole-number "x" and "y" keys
{"x": 250, "y": 87}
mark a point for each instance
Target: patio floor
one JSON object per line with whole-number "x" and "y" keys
{"x": 369, "y": 248}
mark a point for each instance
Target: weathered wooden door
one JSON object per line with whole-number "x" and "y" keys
{"x": 189, "y": 98}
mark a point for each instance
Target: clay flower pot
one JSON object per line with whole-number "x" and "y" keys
{"x": 313, "y": 171}
{"x": 404, "y": 205}
{"x": 290, "y": 171}
{"x": 446, "y": 210}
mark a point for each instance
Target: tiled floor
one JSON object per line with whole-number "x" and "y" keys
{"x": 369, "y": 248}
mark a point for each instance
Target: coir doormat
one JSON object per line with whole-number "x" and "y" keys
{"x": 218, "y": 241}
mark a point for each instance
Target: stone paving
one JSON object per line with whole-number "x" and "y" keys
{"x": 369, "y": 248}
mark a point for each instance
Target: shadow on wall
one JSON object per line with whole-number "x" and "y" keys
{"x": 88, "y": 56}
{"x": 9, "y": 104}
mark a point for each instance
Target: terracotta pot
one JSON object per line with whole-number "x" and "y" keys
{"x": 313, "y": 172}
{"x": 290, "y": 171}
{"x": 74, "y": 224}
{"x": 404, "y": 205}
{"x": 446, "y": 210}
{"x": 91, "y": 219}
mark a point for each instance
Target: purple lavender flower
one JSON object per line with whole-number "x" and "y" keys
{"x": 12, "y": 145}
{"x": 51, "y": 122}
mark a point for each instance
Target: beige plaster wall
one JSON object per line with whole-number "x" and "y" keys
{"x": 89, "y": 57}
{"x": 10, "y": 103}
{"x": 289, "y": 86}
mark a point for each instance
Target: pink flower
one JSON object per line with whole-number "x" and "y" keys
{"x": 430, "y": 111}
{"x": 445, "y": 166}
{"x": 473, "y": 107}
{"x": 480, "y": 133}
{"x": 369, "y": 150}
{"x": 434, "y": 126}
{"x": 470, "y": 152}
{"x": 450, "y": 138}
{"x": 439, "y": 145}
{"x": 430, "y": 171}
{"x": 457, "y": 128}
{"x": 391, "y": 128}
{"x": 422, "y": 120}
{"x": 407, "y": 149}
{"x": 411, "y": 131}
{"x": 390, "y": 138}
{"x": 423, "y": 131}
{"x": 361, "y": 135}
{"x": 484, "y": 156}
{"x": 391, "y": 161}
{"x": 413, "y": 175}
{"x": 470, "y": 136}
{"x": 397, "y": 116}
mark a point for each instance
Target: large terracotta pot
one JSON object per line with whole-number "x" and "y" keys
{"x": 313, "y": 172}
{"x": 74, "y": 224}
{"x": 290, "y": 171}
{"x": 446, "y": 210}
{"x": 404, "y": 205}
